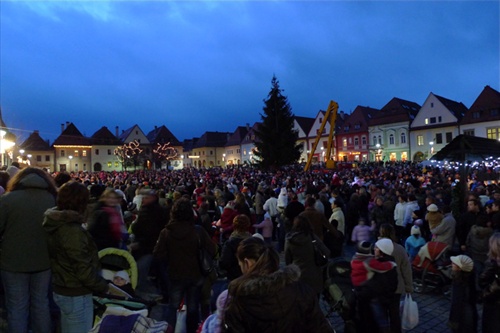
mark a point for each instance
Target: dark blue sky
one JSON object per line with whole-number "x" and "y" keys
{"x": 207, "y": 66}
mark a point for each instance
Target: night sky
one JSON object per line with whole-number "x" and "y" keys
{"x": 197, "y": 66}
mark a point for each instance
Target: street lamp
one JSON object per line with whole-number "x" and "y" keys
{"x": 70, "y": 158}
{"x": 431, "y": 143}
{"x": 378, "y": 152}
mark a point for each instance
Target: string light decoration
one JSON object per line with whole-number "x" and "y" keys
{"x": 165, "y": 151}
{"x": 128, "y": 152}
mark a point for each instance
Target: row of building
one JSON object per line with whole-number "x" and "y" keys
{"x": 400, "y": 131}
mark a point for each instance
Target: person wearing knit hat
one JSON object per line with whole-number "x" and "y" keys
{"x": 463, "y": 262}
{"x": 121, "y": 279}
{"x": 414, "y": 242}
{"x": 463, "y": 312}
{"x": 385, "y": 245}
{"x": 376, "y": 293}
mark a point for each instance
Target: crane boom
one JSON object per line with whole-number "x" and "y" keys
{"x": 330, "y": 115}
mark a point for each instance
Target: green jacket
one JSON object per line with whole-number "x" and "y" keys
{"x": 73, "y": 255}
{"x": 23, "y": 241}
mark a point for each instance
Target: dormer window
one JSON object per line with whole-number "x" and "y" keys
{"x": 475, "y": 115}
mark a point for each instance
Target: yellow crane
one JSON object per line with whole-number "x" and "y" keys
{"x": 330, "y": 115}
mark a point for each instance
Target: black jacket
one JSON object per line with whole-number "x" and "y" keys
{"x": 274, "y": 303}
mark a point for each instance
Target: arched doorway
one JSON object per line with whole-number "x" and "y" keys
{"x": 97, "y": 167}
{"x": 418, "y": 157}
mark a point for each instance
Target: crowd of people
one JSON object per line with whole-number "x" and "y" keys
{"x": 53, "y": 225}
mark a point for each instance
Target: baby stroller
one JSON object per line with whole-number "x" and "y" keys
{"x": 431, "y": 267}
{"x": 338, "y": 292}
{"x": 119, "y": 302}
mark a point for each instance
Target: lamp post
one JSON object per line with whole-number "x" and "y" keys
{"x": 378, "y": 152}
{"x": 224, "y": 160}
{"x": 431, "y": 143}
{"x": 70, "y": 158}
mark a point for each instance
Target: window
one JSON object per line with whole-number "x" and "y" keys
{"x": 432, "y": 105}
{"x": 109, "y": 151}
{"x": 38, "y": 158}
{"x": 420, "y": 140}
{"x": 357, "y": 126}
{"x": 350, "y": 140}
{"x": 380, "y": 139}
{"x": 403, "y": 137}
{"x": 238, "y": 151}
{"x": 76, "y": 166}
{"x": 391, "y": 139}
{"x": 47, "y": 158}
{"x": 439, "y": 138}
{"x": 432, "y": 120}
{"x": 494, "y": 112}
{"x": 344, "y": 142}
{"x": 97, "y": 151}
{"x": 110, "y": 164}
{"x": 439, "y": 119}
{"x": 117, "y": 164}
{"x": 374, "y": 142}
{"x": 469, "y": 132}
{"x": 476, "y": 115}
{"x": 63, "y": 153}
{"x": 427, "y": 121}
{"x": 449, "y": 137}
{"x": 77, "y": 153}
{"x": 84, "y": 153}
{"x": 211, "y": 152}
{"x": 493, "y": 133}
{"x": 363, "y": 140}
{"x": 84, "y": 167}
{"x": 356, "y": 141}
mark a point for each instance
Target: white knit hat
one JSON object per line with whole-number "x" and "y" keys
{"x": 432, "y": 208}
{"x": 415, "y": 230}
{"x": 124, "y": 275}
{"x": 385, "y": 245}
{"x": 464, "y": 262}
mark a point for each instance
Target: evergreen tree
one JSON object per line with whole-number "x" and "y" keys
{"x": 276, "y": 140}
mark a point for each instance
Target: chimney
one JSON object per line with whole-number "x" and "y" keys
{"x": 117, "y": 131}
{"x": 62, "y": 128}
{"x": 248, "y": 127}
{"x": 67, "y": 123}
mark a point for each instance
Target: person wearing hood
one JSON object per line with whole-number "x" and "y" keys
{"x": 74, "y": 259}
{"x": 228, "y": 260}
{"x": 25, "y": 263}
{"x": 178, "y": 245}
{"x": 477, "y": 244}
{"x": 299, "y": 251}
{"x": 270, "y": 299}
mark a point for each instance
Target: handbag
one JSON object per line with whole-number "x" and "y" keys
{"x": 320, "y": 257}
{"x": 409, "y": 318}
{"x": 205, "y": 259}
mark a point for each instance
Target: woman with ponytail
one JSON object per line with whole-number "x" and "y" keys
{"x": 269, "y": 299}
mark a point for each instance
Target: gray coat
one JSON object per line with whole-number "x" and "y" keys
{"x": 24, "y": 242}
{"x": 405, "y": 278}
